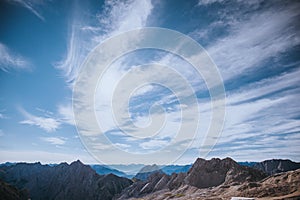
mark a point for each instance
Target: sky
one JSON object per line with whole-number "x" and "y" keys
{"x": 44, "y": 46}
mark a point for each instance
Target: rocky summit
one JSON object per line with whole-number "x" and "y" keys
{"x": 276, "y": 166}
{"x": 214, "y": 172}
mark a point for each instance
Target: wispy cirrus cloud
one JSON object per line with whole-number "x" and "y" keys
{"x": 66, "y": 114}
{"x": 116, "y": 17}
{"x": 207, "y": 2}
{"x": 260, "y": 37}
{"x": 54, "y": 140}
{"x": 3, "y": 116}
{"x": 49, "y": 124}
{"x": 49, "y": 121}
{"x": 10, "y": 60}
{"x": 31, "y": 5}
{"x": 252, "y": 39}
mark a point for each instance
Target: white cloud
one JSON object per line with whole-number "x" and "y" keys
{"x": 54, "y": 140}
{"x": 122, "y": 146}
{"x": 117, "y": 17}
{"x": 250, "y": 42}
{"x": 2, "y": 116}
{"x": 121, "y": 16}
{"x": 10, "y": 60}
{"x": 208, "y": 2}
{"x": 66, "y": 114}
{"x": 154, "y": 144}
{"x": 46, "y": 123}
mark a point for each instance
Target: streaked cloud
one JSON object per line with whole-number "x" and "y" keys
{"x": 207, "y": 2}
{"x": 54, "y": 140}
{"x": 12, "y": 61}
{"x": 48, "y": 124}
{"x": 117, "y": 17}
{"x": 66, "y": 114}
{"x": 252, "y": 41}
{"x": 31, "y": 5}
{"x": 3, "y": 116}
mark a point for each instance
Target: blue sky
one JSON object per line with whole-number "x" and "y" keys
{"x": 255, "y": 46}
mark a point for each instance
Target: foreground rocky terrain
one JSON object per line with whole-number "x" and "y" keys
{"x": 9, "y": 192}
{"x": 203, "y": 174}
{"x": 280, "y": 186}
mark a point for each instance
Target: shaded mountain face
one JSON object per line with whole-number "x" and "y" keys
{"x": 202, "y": 174}
{"x": 276, "y": 166}
{"x": 9, "y": 192}
{"x": 63, "y": 181}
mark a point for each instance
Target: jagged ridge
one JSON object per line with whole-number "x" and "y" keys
{"x": 74, "y": 181}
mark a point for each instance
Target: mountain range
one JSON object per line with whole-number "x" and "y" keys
{"x": 63, "y": 181}
{"x": 205, "y": 179}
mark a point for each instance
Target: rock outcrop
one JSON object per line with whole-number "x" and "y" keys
{"x": 63, "y": 181}
{"x": 214, "y": 172}
{"x": 276, "y": 166}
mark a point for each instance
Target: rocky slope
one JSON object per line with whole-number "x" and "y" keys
{"x": 74, "y": 181}
{"x": 276, "y": 166}
{"x": 9, "y": 192}
{"x": 203, "y": 174}
{"x": 281, "y": 186}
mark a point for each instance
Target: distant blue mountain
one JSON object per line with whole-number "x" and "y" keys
{"x": 148, "y": 170}
{"x": 169, "y": 169}
{"x": 248, "y": 164}
{"x": 7, "y": 164}
{"x": 103, "y": 170}
{"x": 131, "y": 169}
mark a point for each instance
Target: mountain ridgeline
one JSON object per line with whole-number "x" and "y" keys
{"x": 205, "y": 179}
{"x": 63, "y": 181}
{"x": 276, "y": 166}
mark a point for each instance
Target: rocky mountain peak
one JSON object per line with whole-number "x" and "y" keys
{"x": 214, "y": 172}
{"x": 276, "y": 166}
